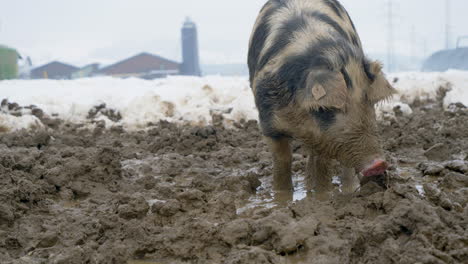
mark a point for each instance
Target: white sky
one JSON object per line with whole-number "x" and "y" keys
{"x": 105, "y": 31}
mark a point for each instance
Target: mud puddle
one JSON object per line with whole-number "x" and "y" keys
{"x": 182, "y": 194}
{"x": 265, "y": 197}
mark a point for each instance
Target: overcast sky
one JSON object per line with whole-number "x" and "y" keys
{"x": 105, "y": 31}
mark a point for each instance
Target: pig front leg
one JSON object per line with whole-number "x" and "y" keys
{"x": 282, "y": 159}
{"x": 318, "y": 173}
{"x": 349, "y": 180}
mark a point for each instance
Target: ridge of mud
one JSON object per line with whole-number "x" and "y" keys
{"x": 171, "y": 193}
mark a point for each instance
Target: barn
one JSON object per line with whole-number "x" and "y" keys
{"x": 54, "y": 70}
{"x": 143, "y": 65}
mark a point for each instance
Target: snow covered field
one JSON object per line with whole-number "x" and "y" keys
{"x": 184, "y": 99}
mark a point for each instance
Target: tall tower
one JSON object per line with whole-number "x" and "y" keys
{"x": 191, "y": 63}
{"x": 447, "y": 24}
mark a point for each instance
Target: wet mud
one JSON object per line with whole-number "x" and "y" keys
{"x": 180, "y": 194}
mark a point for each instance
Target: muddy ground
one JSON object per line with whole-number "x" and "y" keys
{"x": 181, "y": 194}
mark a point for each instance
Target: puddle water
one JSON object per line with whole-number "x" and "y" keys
{"x": 409, "y": 171}
{"x": 154, "y": 201}
{"x": 266, "y": 198}
{"x": 420, "y": 189}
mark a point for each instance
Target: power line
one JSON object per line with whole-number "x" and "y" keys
{"x": 390, "y": 36}
{"x": 413, "y": 44}
{"x": 447, "y": 24}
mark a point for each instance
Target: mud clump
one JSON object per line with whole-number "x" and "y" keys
{"x": 14, "y": 109}
{"x": 103, "y": 110}
{"x": 180, "y": 194}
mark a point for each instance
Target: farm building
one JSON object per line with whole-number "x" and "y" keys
{"x": 150, "y": 66}
{"x": 54, "y": 70}
{"x": 143, "y": 65}
{"x": 86, "y": 71}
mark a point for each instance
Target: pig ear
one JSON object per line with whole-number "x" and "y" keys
{"x": 380, "y": 89}
{"x": 325, "y": 89}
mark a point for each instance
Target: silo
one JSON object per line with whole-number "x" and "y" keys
{"x": 191, "y": 63}
{"x": 8, "y": 63}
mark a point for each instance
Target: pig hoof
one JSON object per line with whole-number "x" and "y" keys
{"x": 283, "y": 197}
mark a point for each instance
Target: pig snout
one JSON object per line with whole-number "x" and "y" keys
{"x": 376, "y": 167}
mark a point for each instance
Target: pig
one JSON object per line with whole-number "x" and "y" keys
{"x": 312, "y": 82}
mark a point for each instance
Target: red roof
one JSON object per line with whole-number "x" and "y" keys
{"x": 141, "y": 63}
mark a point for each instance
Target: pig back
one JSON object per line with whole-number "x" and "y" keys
{"x": 286, "y": 28}
{"x": 302, "y": 53}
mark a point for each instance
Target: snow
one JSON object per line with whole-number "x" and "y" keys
{"x": 175, "y": 99}
{"x": 9, "y": 122}
{"x": 420, "y": 189}
{"x": 424, "y": 85}
{"x": 186, "y": 99}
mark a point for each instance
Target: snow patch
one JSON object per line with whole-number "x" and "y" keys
{"x": 13, "y": 123}
{"x": 425, "y": 85}
{"x": 189, "y": 99}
